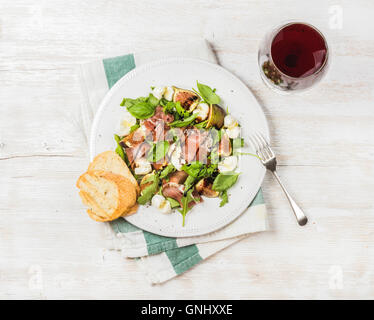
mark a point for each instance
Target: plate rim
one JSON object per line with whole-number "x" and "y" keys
{"x": 165, "y": 61}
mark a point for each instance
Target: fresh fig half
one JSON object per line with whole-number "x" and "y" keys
{"x": 204, "y": 187}
{"x": 216, "y": 117}
{"x": 187, "y": 98}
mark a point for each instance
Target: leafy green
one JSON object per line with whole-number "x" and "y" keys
{"x": 208, "y": 94}
{"x": 158, "y": 151}
{"x": 169, "y": 169}
{"x": 188, "y": 184}
{"x": 225, "y": 198}
{"x": 214, "y": 156}
{"x": 142, "y": 107}
{"x": 225, "y": 181}
{"x": 181, "y": 111}
{"x": 198, "y": 170}
{"x": 173, "y": 203}
{"x": 247, "y": 154}
{"x": 238, "y": 143}
{"x": 185, "y": 201}
{"x": 141, "y": 110}
{"x": 168, "y": 106}
{"x": 184, "y": 209}
{"x": 134, "y": 127}
{"x": 201, "y": 125}
{"x": 119, "y": 150}
{"x": 185, "y": 122}
{"x": 149, "y": 191}
{"x": 128, "y": 102}
{"x": 152, "y": 100}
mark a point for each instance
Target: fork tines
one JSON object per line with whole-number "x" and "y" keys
{"x": 261, "y": 146}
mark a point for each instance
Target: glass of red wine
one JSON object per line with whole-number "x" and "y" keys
{"x": 293, "y": 57}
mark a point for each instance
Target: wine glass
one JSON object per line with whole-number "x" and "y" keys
{"x": 293, "y": 57}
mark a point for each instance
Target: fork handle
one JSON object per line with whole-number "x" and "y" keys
{"x": 299, "y": 214}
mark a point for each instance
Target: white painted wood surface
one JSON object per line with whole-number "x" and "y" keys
{"x": 324, "y": 139}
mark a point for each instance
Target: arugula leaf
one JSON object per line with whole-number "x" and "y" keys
{"x": 134, "y": 127}
{"x": 208, "y": 94}
{"x": 181, "y": 111}
{"x": 168, "y": 106}
{"x": 185, "y": 122}
{"x": 173, "y": 203}
{"x": 247, "y": 154}
{"x": 184, "y": 209}
{"x": 238, "y": 142}
{"x": 169, "y": 169}
{"x": 185, "y": 201}
{"x": 199, "y": 170}
{"x": 158, "y": 151}
{"x": 119, "y": 150}
{"x": 225, "y": 181}
{"x": 214, "y": 156}
{"x": 194, "y": 169}
{"x": 188, "y": 184}
{"x": 149, "y": 191}
{"x": 201, "y": 125}
{"x": 225, "y": 198}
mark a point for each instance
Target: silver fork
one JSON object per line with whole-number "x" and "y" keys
{"x": 269, "y": 160}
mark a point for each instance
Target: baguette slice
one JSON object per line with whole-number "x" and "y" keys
{"x": 112, "y": 162}
{"x": 107, "y": 195}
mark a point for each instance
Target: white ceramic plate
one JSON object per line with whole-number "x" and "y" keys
{"x": 181, "y": 72}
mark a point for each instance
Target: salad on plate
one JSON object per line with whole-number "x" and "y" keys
{"x": 181, "y": 146}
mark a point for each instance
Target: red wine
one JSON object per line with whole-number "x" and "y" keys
{"x": 298, "y": 50}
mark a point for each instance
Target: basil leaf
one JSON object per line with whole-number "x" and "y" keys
{"x": 152, "y": 100}
{"x": 185, "y": 122}
{"x": 169, "y": 169}
{"x": 208, "y": 94}
{"x": 128, "y": 102}
{"x": 225, "y": 181}
{"x": 225, "y": 198}
{"x": 141, "y": 110}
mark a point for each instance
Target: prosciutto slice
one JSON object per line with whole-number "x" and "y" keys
{"x": 137, "y": 152}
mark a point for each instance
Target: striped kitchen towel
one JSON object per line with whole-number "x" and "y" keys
{"x": 160, "y": 257}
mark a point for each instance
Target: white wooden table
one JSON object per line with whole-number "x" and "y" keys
{"x": 324, "y": 138}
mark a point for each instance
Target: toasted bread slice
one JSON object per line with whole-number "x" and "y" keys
{"x": 131, "y": 210}
{"x": 112, "y": 162}
{"x": 107, "y": 195}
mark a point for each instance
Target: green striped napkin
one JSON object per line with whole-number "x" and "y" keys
{"x": 161, "y": 258}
